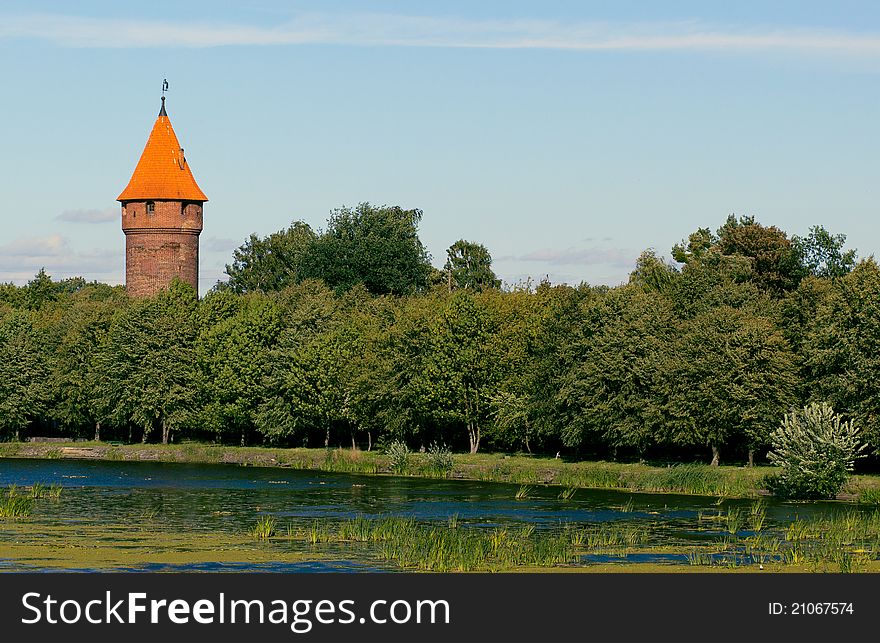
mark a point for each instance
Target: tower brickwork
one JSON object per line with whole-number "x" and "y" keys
{"x": 161, "y": 215}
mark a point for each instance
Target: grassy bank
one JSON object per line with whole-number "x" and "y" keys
{"x": 525, "y": 470}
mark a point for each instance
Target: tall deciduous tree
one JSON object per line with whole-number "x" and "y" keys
{"x": 148, "y": 363}
{"x": 842, "y": 349}
{"x": 24, "y": 372}
{"x": 272, "y": 263}
{"x": 305, "y": 386}
{"x": 616, "y": 385}
{"x": 775, "y": 261}
{"x": 378, "y": 247}
{"x": 652, "y": 273}
{"x": 469, "y": 267}
{"x": 82, "y": 329}
{"x": 465, "y": 364}
{"x": 822, "y": 255}
{"x": 733, "y": 377}
{"x": 233, "y": 354}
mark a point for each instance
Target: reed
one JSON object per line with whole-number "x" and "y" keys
{"x": 524, "y": 492}
{"x": 265, "y": 527}
{"x": 870, "y": 496}
{"x": 733, "y": 520}
{"x": 15, "y": 505}
{"x": 445, "y": 548}
{"x": 699, "y": 557}
{"x": 757, "y": 515}
{"x": 567, "y": 493}
{"x": 39, "y": 490}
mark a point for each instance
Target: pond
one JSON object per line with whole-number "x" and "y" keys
{"x": 166, "y": 508}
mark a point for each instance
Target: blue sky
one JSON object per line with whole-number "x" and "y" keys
{"x": 565, "y": 136}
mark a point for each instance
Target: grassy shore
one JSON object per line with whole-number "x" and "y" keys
{"x": 695, "y": 479}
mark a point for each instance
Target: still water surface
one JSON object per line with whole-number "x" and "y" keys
{"x": 210, "y": 498}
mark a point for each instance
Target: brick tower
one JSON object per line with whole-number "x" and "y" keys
{"x": 161, "y": 216}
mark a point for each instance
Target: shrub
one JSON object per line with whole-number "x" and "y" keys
{"x": 398, "y": 454}
{"x": 815, "y": 451}
{"x": 440, "y": 460}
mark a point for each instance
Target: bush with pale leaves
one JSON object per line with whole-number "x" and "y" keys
{"x": 815, "y": 451}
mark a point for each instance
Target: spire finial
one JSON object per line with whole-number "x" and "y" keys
{"x": 164, "y": 88}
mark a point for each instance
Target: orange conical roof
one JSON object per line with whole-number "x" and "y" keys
{"x": 162, "y": 172}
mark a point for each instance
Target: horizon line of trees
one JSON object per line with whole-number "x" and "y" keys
{"x": 348, "y": 336}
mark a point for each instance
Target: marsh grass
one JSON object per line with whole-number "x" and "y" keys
{"x": 869, "y": 496}
{"x": 567, "y": 493}
{"x": 14, "y": 505}
{"x": 265, "y": 527}
{"x": 843, "y": 543}
{"x": 733, "y": 520}
{"x": 452, "y": 547}
{"x": 524, "y": 492}
{"x": 148, "y": 514}
{"x": 699, "y": 557}
{"x": 757, "y": 515}
{"x": 337, "y": 461}
{"x": 39, "y": 490}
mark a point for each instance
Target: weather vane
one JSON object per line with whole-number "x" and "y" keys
{"x": 164, "y": 86}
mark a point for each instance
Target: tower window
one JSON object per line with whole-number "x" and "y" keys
{"x": 151, "y": 207}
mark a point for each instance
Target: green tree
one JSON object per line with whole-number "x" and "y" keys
{"x": 842, "y": 349}
{"x": 378, "y": 247}
{"x": 24, "y": 372}
{"x": 148, "y": 363}
{"x": 775, "y": 261}
{"x": 512, "y": 415}
{"x": 306, "y": 389}
{"x": 734, "y": 374}
{"x": 652, "y": 273}
{"x": 713, "y": 280}
{"x": 233, "y": 354}
{"x": 272, "y": 263}
{"x": 82, "y": 329}
{"x": 561, "y": 320}
{"x": 464, "y": 365}
{"x": 695, "y": 248}
{"x": 405, "y": 391}
{"x": 469, "y": 267}
{"x": 822, "y": 255}
{"x": 615, "y": 386}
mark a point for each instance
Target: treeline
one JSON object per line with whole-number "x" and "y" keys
{"x": 348, "y": 337}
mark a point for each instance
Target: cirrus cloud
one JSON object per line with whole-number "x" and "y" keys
{"x": 89, "y": 216}
{"x": 372, "y": 29}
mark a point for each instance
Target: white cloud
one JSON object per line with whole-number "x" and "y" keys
{"x": 619, "y": 257}
{"x": 21, "y": 259}
{"x": 89, "y": 216}
{"x": 370, "y": 29}
{"x": 220, "y": 244}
